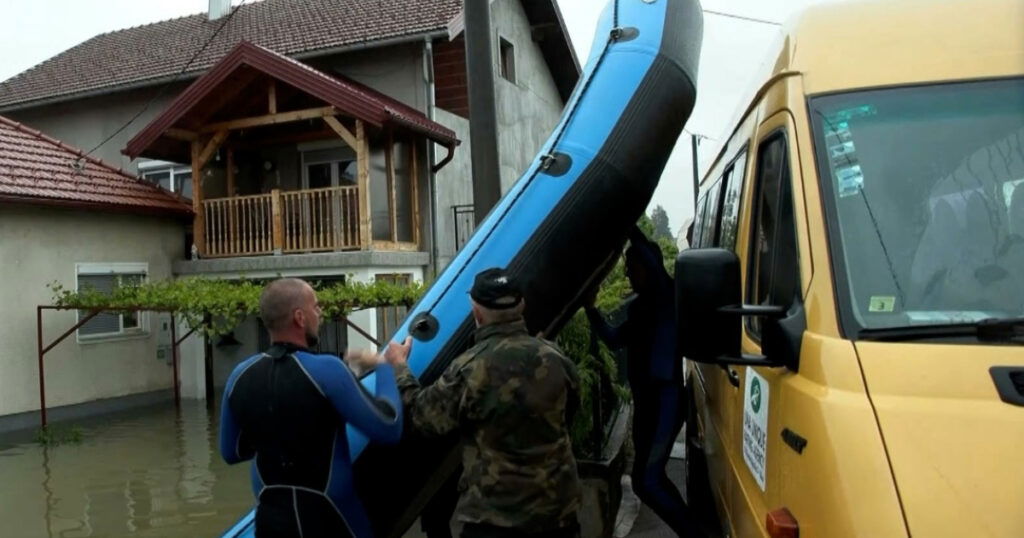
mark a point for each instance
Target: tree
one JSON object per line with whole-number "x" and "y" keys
{"x": 661, "y": 226}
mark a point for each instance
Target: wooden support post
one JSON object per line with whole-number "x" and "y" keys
{"x": 389, "y": 161}
{"x": 278, "y": 215}
{"x": 199, "y": 222}
{"x": 272, "y": 97}
{"x": 231, "y": 173}
{"x": 344, "y": 133}
{"x": 363, "y": 166}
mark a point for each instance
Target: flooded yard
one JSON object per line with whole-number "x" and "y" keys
{"x": 154, "y": 472}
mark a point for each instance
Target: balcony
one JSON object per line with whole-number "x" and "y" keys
{"x": 313, "y": 220}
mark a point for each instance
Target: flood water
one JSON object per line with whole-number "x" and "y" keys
{"x": 154, "y": 472}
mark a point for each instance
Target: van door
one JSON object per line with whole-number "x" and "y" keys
{"x": 771, "y": 259}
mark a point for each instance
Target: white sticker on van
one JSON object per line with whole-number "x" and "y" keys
{"x": 755, "y": 425}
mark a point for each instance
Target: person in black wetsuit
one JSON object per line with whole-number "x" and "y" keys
{"x": 288, "y": 408}
{"x": 655, "y": 376}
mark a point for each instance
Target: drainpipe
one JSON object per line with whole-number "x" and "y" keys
{"x": 428, "y": 76}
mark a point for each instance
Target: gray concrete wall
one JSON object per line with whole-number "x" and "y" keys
{"x": 454, "y": 186}
{"x": 528, "y": 109}
{"x": 84, "y": 123}
{"x": 39, "y": 246}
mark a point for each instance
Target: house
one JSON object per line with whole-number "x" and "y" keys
{"x": 326, "y": 139}
{"x": 76, "y": 221}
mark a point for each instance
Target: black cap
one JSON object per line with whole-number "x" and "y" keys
{"x": 495, "y": 288}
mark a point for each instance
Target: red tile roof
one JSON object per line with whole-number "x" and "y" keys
{"x": 158, "y": 51}
{"x": 348, "y": 97}
{"x": 37, "y": 169}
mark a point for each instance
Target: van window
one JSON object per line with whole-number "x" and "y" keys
{"x": 924, "y": 189}
{"x": 774, "y": 268}
{"x": 733, "y": 189}
{"x": 711, "y": 216}
{"x": 701, "y": 221}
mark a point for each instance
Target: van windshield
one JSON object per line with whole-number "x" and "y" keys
{"x": 924, "y": 192}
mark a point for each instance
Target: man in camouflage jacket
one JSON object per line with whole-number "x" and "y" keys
{"x": 512, "y": 397}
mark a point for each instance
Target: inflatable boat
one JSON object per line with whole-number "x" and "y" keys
{"x": 556, "y": 228}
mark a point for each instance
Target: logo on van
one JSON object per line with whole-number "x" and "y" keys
{"x": 755, "y": 395}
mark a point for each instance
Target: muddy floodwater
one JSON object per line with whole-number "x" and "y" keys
{"x": 153, "y": 471}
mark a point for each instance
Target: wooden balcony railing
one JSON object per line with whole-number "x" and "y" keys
{"x": 321, "y": 219}
{"x": 313, "y": 220}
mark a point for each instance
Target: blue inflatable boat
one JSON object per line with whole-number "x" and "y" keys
{"x": 555, "y": 229}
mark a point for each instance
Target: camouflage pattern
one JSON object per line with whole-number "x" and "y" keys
{"x": 511, "y": 396}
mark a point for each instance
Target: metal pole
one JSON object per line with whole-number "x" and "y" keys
{"x": 39, "y": 348}
{"x": 696, "y": 178}
{"x": 174, "y": 362}
{"x": 483, "y": 134}
{"x": 208, "y": 363}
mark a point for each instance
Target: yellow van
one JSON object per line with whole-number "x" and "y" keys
{"x": 852, "y": 312}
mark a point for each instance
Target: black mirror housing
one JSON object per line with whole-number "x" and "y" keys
{"x": 706, "y": 281}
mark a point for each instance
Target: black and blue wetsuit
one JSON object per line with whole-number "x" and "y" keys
{"x": 656, "y": 378}
{"x": 288, "y": 409}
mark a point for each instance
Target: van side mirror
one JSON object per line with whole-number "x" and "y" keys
{"x": 709, "y": 313}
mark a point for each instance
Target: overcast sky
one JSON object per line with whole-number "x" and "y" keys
{"x": 33, "y": 30}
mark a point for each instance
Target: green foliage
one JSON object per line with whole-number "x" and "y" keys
{"x": 659, "y": 220}
{"x": 55, "y": 435}
{"x": 218, "y": 306}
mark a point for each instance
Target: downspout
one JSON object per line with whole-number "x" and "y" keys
{"x": 428, "y": 76}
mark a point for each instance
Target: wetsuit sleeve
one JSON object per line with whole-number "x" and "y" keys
{"x": 614, "y": 337}
{"x": 435, "y": 409}
{"x": 378, "y": 417}
{"x": 232, "y": 448}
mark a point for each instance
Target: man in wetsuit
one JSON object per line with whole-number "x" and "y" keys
{"x": 288, "y": 409}
{"x": 655, "y": 377}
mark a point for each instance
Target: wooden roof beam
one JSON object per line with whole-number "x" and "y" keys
{"x": 344, "y": 133}
{"x": 269, "y": 119}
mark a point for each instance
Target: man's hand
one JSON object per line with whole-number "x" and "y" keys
{"x": 398, "y": 354}
{"x": 361, "y": 361}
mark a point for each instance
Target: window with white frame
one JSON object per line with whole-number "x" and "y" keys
{"x": 105, "y": 278}
{"x": 331, "y": 167}
{"x": 173, "y": 177}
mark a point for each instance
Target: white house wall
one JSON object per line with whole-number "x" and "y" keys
{"x": 39, "y": 246}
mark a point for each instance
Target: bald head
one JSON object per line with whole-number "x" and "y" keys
{"x": 280, "y": 299}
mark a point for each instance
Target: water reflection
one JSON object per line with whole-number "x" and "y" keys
{"x": 149, "y": 472}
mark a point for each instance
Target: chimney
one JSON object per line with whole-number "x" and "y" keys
{"x": 219, "y": 8}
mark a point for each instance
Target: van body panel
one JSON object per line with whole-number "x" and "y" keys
{"x": 873, "y": 44}
{"x": 955, "y": 446}
{"x": 840, "y": 485}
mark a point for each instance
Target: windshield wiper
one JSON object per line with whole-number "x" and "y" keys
{"x": 1009, "y": 330}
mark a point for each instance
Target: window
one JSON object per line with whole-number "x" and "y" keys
{"x": 774, "y": 269}
{"x": 733, "y": 190}
{"x": 324, "y": 168}
{"x": 922, "y": 188}
{"x": 170, "y": 176}
{"x": 711, "y": 216}
{"x": 389, "y": 318}
{"x": 701, "y": 221}
{"x": 105, "y": 279}
{"x": 507, "y": 59}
